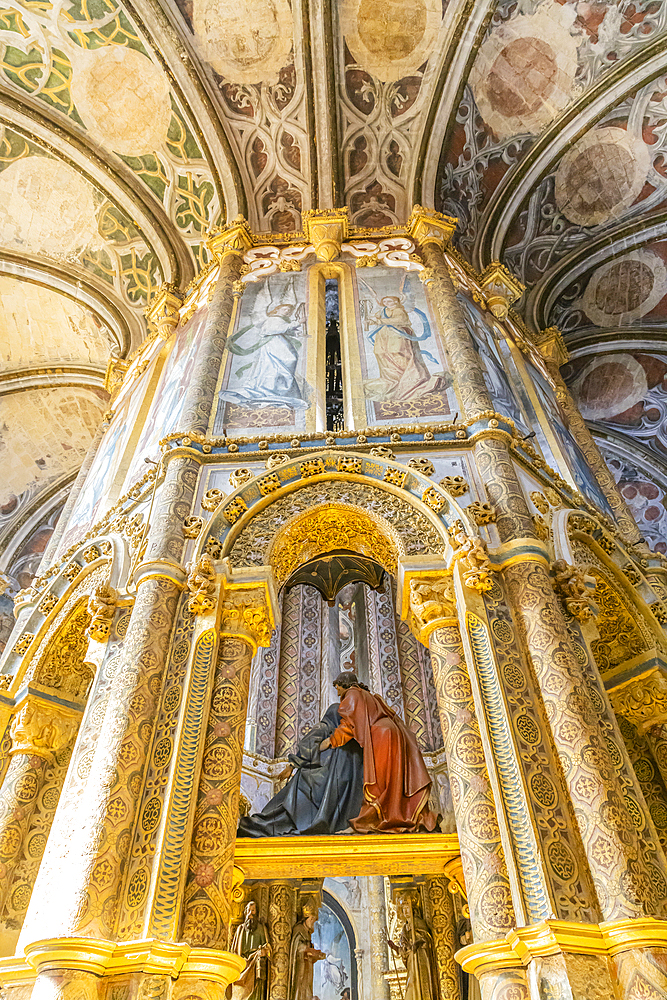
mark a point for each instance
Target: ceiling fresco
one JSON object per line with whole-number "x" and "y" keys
{"x": 128, "y": 131}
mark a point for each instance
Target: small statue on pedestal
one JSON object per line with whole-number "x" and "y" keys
{"x": 251, "y": 942}
{"x": 303, "y": 956}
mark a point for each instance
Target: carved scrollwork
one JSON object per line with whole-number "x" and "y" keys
{"x": 482, "y": 513}
{"x": 239, "y": 477}
{"x": 192, "y": 526}
{"x": 541, "y": 527}
{"x": 212, "y": 499}
{"x": 423, "y": 465}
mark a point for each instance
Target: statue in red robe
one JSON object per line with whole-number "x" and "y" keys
{"x": 396, "y": 782}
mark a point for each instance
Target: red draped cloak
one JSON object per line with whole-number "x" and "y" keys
{"x": 396, "y": 782}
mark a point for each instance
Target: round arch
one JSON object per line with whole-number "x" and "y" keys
{"x": 310, "y": 505}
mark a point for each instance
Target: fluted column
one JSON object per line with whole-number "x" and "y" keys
{"x": 379, "y": 960}
{"x": 282, "y": 917}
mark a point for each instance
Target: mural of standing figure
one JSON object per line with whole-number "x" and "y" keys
{"x": 415, "y": 947}
{"x": 403, "y": 373}
{"x": 303, "y": 956}
{"x": 271, "y": 342}
{"x": 396, "y": 782}
{"x": 252, "y": 943}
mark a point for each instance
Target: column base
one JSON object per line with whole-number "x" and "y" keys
{"x": 173, "y": 968}
{"x": 560, "y": 959}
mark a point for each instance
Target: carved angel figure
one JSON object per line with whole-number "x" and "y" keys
{"x": 101, "y": 608}
{"x": 575, "y": 588}
{"x": 201, "y": 584}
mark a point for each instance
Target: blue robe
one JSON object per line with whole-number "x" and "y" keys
{"x": 323, "y": 794}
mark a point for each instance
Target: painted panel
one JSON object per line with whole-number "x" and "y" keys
{"x": 398, "y": 369}
{"x": 503, "y": 392}
{"x": 266, "y": 381}
{"x": 169, "y": 399}
{"x": 333, "y": 974}
{"x": 110, "y": 452}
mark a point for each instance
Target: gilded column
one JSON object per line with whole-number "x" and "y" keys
{"x": 282, "y": 917}
{"x": 622, "y": 512}
{"x": 208, "y": 889}
{"x": 211, "y": 877}
{"x": 484, "y": 869}
{"x": 377, "y": 913}
{"x": 656, "y": 737}
{"x": 513, "y": 518}
{"x": 38, "y": 731}
{"x": 649, "y": 775}
{"x": 79, "y": 884}
{"x": 441, "y": 915}
{"x": 624, "y": 884}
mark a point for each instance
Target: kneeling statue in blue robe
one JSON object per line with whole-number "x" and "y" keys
{"x": 324, "y": 793}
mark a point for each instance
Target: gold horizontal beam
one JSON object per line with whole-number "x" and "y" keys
{"x": 372, "y": 854}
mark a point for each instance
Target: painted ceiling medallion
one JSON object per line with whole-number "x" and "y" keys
{"x": 601, "y": 176}
{"x": 389, "y": 38}
{"x": 46, "y": 207}
{"x": 246, "y": 41}
{"x": 625, "y": 289}
{"x": 122, "y": 98}
{"x": 525, "y": 70}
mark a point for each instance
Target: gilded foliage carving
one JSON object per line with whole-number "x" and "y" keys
{"x": 63, "y": 666}
{"x": 575, "y": 588}
{"x": 644, "y": 700}
{"x": 622, "y": 634}
{"x": 42, "y": 729}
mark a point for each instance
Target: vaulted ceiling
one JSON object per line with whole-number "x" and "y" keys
{"x": 129, "y": 128}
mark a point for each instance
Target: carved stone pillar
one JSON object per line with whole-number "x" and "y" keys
{"x": 622, "y": 512}
{"x": 282, "y": 916}
{"x": 439, "y": 902}
{"x": 78, "y": 886}
{"x": 624, "y": 879}
{"x": 656, "y": 737}
{"x": 484, "y": 869}
{"x": 377, "y": 913}
{"x": 38, "y": 731}
{"x": 211, "y": 877}
{"x": 513, "y": 517}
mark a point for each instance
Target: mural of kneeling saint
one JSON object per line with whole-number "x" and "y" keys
{"x": 359, "y": 770}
